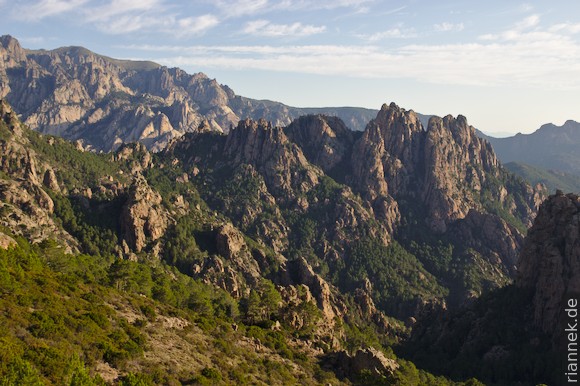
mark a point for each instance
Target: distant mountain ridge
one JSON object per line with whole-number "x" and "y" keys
{"x": 104, "y": 102}
{"x": 549, "y": 147}
{"x": 553, "y": 180}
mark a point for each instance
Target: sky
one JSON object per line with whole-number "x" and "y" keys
{"x": 508, "y": 66}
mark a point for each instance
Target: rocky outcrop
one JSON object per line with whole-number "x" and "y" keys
{"x": 50, "y": 181}
{"x": 6, "y": 241}
{"x": 368, "y": 359}
{"x": 497, "y": 336}
{"x": 232, "y": 246}
{"x": 300, "y": 272}
{"x": 550, "y": 259}
{"x": 27, "y": 209}
{"x": 143, "y": 218}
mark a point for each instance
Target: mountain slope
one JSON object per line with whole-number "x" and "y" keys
{"x": 550, "y": 147}
{"x": 104, "y": 102}
{"x": 169, "y": 272}
{"x": 553, "y": 180}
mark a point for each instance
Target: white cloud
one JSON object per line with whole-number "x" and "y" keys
{"x": 45, "y": 8}
{"x": 117, "y": 17}
{"x": 516, "y": 32}
{"x": 393, "y": 33}
{"x": 265, "y": 28}
{"x": 446, "y": 27}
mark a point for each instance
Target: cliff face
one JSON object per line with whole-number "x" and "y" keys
{"x": 445, "y": 166}
{"x": 550, "y": 259}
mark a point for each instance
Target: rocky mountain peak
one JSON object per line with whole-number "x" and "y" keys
{"x": 12, "y": 54}
{"x": 396, "y": 158}
{"x": 550, "y": 259}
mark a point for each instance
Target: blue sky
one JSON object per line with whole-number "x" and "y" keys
{"x": 508, "y": 66}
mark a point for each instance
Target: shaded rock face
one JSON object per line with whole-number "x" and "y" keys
{"x": 143, "y": 219}
{"x": 325, "y": 141}
{"x": 550, "y": 259}
{"x": 498, "y": 241}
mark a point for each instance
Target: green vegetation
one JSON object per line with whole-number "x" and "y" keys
{"x": 502, "y": 208}
{"x": 398, "y": 278}
{"x": 76, "y": 169}
{"x": 554, "y": 180}
{"x": 92, "y": 226}
{"x": 457, "y": 267}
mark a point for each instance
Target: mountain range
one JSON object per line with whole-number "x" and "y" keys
{"x": 551, "y": 148}
{"x": 104, "y": 102}
{"x": 221, "y": 240}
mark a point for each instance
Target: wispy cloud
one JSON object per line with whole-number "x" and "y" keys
{"x": 238, "y": 8}
{"x": 571, "y": 28}
{"x": 323, "y": 4}
{"x": 393, "y": 33}
{"x": 519, "y": 30}
{"x": 397, "y": 32}
{"x": 115, "y": 8}
{"x": 393, "y": 11}
{"x": 45, "y": 8}
{"x": 447, "y": 27}
{"x": 266, "y": 28}
{"x": 537, "y": 57}
{"x": 528, "y": 22}
{"x": 116, "y": 17}
{"x": 526, "y": 7}
{"x": 167, "y": 24}
{"x": 196, "y": 25}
